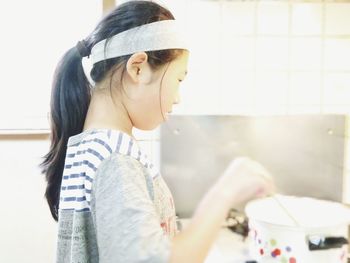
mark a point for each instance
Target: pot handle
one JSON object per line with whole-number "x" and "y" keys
{"x": 317, "y": 242}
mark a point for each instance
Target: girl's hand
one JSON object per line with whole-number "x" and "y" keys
{"x": 244, "y": 180}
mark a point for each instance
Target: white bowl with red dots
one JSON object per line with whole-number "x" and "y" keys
{"x": 302, "y": 230}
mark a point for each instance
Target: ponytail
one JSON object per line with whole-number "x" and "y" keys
{"x": 70, "y": 100}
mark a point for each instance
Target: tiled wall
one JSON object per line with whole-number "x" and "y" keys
{"x": 265, "y": 57}
{"x": 149, "y": 142}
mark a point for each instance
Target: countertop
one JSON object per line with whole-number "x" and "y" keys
{"x": 228, "y": 247}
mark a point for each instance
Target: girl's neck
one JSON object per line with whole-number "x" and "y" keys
{"x": 103, "y": 113}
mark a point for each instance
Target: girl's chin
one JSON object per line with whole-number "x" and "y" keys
{"x": 166, "y": 116}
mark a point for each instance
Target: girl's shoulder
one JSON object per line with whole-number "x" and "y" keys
{"x": 103, "y": 143}
{"x": 124, "y": 172}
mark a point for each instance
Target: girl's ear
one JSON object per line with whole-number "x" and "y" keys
{"x": 138, "y": 69}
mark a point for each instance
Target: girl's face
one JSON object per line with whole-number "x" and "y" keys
{"x": 150, "y": 95}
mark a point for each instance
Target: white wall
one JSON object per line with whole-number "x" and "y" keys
{"x": 27, "y": 232}
{"x": 346, "y": 187}
{"x": 36, "y": 35}
{"x": 267, "y": 57}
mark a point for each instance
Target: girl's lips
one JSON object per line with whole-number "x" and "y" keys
{"x": 166, "y": 115}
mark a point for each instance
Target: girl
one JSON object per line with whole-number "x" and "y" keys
{"x": 110, "y": 203}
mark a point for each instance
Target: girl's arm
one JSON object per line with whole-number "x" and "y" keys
{"x": 243, "y": 180}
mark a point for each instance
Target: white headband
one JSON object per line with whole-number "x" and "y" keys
{"x": 160, "y": 35}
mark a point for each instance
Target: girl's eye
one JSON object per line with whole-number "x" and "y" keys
{"x": 180, "y": 80}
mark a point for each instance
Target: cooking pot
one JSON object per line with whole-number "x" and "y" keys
{"x": 289, "y": 229}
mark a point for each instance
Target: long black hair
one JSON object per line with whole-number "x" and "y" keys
{"x": 71, "y": 91}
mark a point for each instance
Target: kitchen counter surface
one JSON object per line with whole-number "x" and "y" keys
{"x": 229, "y": 247}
